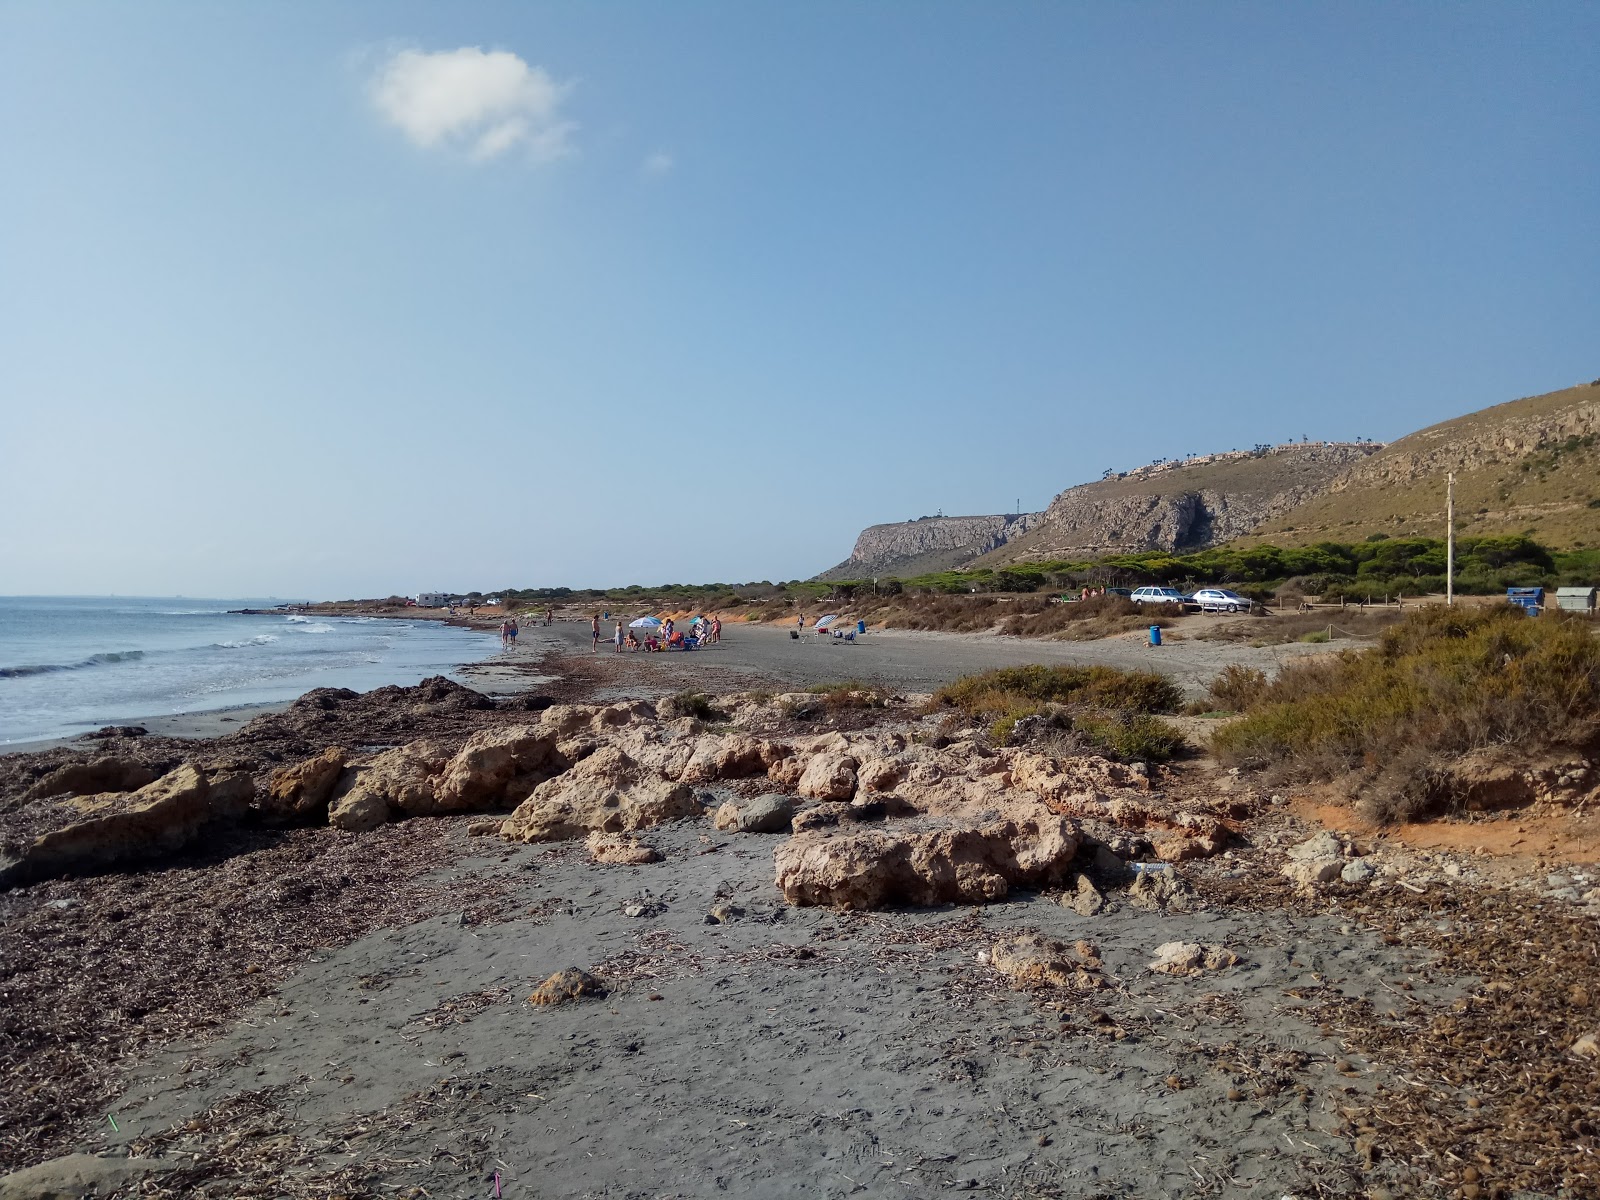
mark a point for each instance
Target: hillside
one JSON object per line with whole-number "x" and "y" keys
{"x": 1528, "y": 466}
{"x": 1181, "y": 505}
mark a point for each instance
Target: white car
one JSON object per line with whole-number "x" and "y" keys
{"x": 1221, "y": 600}
{"x": 1156, "y": 595}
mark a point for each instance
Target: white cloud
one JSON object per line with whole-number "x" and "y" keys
{"x": 484, "y": 102}
{"x": 658, "y": 163}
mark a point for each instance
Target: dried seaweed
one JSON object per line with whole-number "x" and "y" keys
{"x": 98, "y": 973}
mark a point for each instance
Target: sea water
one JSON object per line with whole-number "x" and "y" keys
{"x": 72, "y": 664}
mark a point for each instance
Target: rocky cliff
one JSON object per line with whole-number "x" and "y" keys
{"x": 1176, "y": 505}
{"x": 927, "y": 544}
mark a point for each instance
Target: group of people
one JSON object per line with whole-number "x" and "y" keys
{"x": 703, "y": 631}
{"x": 508, "y": 633}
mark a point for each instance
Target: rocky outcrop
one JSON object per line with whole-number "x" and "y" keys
{"x": 90, "y": 833}
{"x": 498, "y": 767}
{"x": 927, "y": 544}
{"x": 300, "y": 792}
{"x": 1169, "y": 505}
{"x": 609, "y": 792}
{"x": 617, "y": 850}
{"x": 965, "y": 865}
{"x": 1192, "y": 958}
{"x": 88, "y": 778}
{"x": 402, "y": 782}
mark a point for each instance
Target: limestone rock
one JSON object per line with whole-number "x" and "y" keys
{"x": 1161, "y": 891}
{"x": 78, "y": 1175}
{"x": 498, "y": 768}
{"x": 570, "y": 984}
{"x": 829, "y": 777}
{"x": 1087, "y": 900}
{"x": 731, "y": 756}
{"x": 1031, "y": 960}
{"x": 398, "y": 783}
{"x": 115, "y": 828}
{"x": 1358, "y": 871}
{"x": 1320, "y": 847}
{"x": 1191, "y": 958}
{"x": 88, "y": 778}
{"x": 300, "y": 792}
{"x": 935, "y": 866}
{"x": 612, "y": 849}
{"x": 880, "y": 774}
{"x": 1307, "y": 872}
{"x": 786, "y": 772}
{"x": 608, "y": 791}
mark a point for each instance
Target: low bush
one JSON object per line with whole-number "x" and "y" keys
{"x": 850, "y": 693}
{"x": 695, "y": 704}
{"x": 995, "y": 693}
{"x": 1235, "y": 689}
{"x": 1442, "y": 683}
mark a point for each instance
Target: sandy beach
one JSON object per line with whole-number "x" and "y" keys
{"x": 286, "y": 1008}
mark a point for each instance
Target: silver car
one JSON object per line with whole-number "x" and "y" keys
{"x": 1221, "y": 600}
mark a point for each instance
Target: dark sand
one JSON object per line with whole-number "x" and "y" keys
{"x": 792, "y": 1052}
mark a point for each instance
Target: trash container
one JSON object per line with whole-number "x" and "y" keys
{"x": 1155, "y": 635}
{"x": 861, "y": 626}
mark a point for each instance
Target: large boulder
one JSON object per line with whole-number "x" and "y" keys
{"x": 300, "y": 792}
{"x": 498, "y": 768}
{"x": 398, "y": 783}
{"x": 965, "y": 865}
{"x": 729, "y": 756}
{"x": 89, "y": 833}
{"x": 829, "y": 777}
{"x": 763, "y": 814}
{"x": 608, "y": 791}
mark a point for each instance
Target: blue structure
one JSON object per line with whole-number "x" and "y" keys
{"x": 1155, "y": 635}
{"x": 1529, "y": 599}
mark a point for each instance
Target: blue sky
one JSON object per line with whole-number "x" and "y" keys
{"x": 345, "y": 299}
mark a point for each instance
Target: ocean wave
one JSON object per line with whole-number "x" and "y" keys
{"x": 261, "y": 639}
{"x": 320, "y": 627}
{"x": 94, "y": 660}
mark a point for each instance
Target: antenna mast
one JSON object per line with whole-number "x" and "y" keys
{"x": 1450, "y": 539}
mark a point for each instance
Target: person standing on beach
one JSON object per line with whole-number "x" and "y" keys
{"x": 716, "y": 630}
{"x": 594, "y": 627}
{"x": 800, "y": 623}
{"x": 549, "y": 615}
{"x": 505, "y": 633}
{"x": 619, "y": 637}
{"x": 511, "y": 630}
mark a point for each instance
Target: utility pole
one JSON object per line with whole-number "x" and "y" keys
{"x": 1450, "y": 539}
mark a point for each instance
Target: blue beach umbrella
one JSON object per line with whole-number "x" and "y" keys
{"x": 824, "y": 622}
{"x": 645, "y": 623}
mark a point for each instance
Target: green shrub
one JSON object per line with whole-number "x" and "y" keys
{"x": 1131, "y": 737}
{"x": 695, "y": 704}
{"x": 851, "y": 693}
{"x": 1441, "y": 683}
{"x": 995, "y": 693}
{"x": 1236, "y": 688}
{"x": 1317, "y": 637}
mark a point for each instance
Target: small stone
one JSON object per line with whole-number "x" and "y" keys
{"x": 722, "y": 914}
{"x": 569, "y": 984}
{"x": 1235, "y": 1095}
{"x": 484, "y": 828}
{"x": 1358, "y": 871}
{"x": 1323, "y": 845}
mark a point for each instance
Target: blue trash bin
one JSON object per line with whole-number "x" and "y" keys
{"x": 1155, "y": 635}
{"x": 861, "y": 626}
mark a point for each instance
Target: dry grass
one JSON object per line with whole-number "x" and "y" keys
{"x": 1277, "y": 629}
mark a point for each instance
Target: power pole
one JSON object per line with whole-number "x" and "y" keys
{"x": 1450, "y": 539}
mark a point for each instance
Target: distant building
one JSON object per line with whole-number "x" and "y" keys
{"x": 433, "y": 599}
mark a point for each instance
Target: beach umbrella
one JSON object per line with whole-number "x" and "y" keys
{"x": 645, "y": 623}
{"x": 822, "y": 622}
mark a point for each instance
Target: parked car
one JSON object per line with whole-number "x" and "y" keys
{"x": 1157, "y": 595}
{"x": 1220, "y": 600}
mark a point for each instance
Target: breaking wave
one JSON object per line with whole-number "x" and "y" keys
{"x": 261, "y": 639}
{"x": 94, "y": 660}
